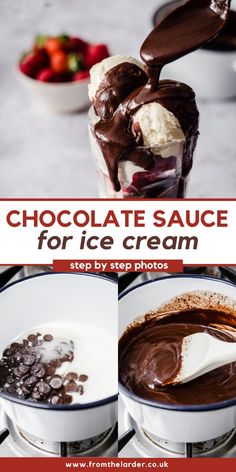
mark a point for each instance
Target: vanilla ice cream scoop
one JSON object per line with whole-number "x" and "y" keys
{"x": 112, "y": 80}
{"x": 158, "y": 125}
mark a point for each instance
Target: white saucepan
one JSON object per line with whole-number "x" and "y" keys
{"x": 59, "y": 297}
{"x": 191, "y": 423}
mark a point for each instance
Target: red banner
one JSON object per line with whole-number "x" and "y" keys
{"x": 100, "y": 265}
{"x": 92, "y": 463}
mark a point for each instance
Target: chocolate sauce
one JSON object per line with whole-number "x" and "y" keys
{"x": 118, "y": 141}
{"x": 190, "y": 25}
{"x": 150, "y": 354}
{"x": 225, "y": 41}
{"x": 109, "y": 94}
{"x": 183, "y": 30}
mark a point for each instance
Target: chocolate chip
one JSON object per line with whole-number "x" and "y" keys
{"x": 33, "y": 339}
{"x": 29, "y": 359}
{"x": 20, "y": 370}
{"x": 38, "y": 370}
{"x": 55, "y": 400}
{"x": 17, "y": 358}
{"x": 71, "y": 376}
{"x": 31, "y": 381}
{"x": 7, "y": 353}
{"x": 66, "y": 399}
{"x": 10, "y": 380}
{"x": 56, "y": 382}
{"x": 72, "y": 387}
{"x": 11, "y": 389}
{"x": 80, "y": 390}
{"x": 2, "y": 382}
{"x": 43, "y": 388}
{"x": 50, "y": 371}
{"x": 15, "y": 346}
{"x": 83, "y": 378}
{"x": 23, "y": 369}
{"x": 4, "y": 371}
{"x": 25, "y": 390}
{"x": 48, "y": 337}
{"x": 36, "y": 396}
{"x": 16, "y": 372}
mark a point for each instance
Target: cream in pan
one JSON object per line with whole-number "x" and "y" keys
{"x": 60, "y": 364}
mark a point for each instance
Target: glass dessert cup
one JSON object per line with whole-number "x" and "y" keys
{"x": 163, "y": 180}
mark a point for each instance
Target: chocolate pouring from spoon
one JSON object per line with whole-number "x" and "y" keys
{"x": 200, "y": 354}
{"x": 185, "y": 29}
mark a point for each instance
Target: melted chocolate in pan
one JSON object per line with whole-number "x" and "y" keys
{"x": 150, "y": 353}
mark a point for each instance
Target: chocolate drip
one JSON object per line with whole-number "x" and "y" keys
{"x": 110, "y": 94}
{"x": 117, "y": 138}
{"x": 150, "y": 354}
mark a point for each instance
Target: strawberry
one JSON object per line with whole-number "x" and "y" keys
{"x": 46, "y": 75}
{"x": 96, "y": 53}
{"x": 59, "y": 62}
{"x": 52, "y": 45}
{"x": 76, "y": 45}
{"x": 63, "y": 77}
{"x": 33, "y": 62}
{"x": 82, "y": 75}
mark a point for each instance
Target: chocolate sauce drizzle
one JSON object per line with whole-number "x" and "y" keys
{"x": 126, "y": 88}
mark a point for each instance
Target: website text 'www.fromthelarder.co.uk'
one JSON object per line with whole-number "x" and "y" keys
{"x": 93, "y": 464}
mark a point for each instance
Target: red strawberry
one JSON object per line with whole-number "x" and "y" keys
{"x": 33, "y": 62}
{"x": 76, "y": 44}
{"x": 96, "y": 53}
{"x": 83, "y": 74}
{"x": 46, "y": 75}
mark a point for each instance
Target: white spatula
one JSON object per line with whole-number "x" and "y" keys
{"x": 202, "y": 353}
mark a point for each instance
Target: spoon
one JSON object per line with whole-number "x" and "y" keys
{"x": 202, "y": 353}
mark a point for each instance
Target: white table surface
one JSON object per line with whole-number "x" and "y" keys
{"x": 46, "y": 155}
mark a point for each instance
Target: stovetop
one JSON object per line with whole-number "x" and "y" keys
{"x": 141, "y": 444}
{"x": 20, "y": 444}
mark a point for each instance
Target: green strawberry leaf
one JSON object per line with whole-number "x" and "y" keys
{"x": 75, "y": 62}
{"x": 40, "y": 40}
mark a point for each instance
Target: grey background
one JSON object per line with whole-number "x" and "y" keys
{"x": 46, "y": 155}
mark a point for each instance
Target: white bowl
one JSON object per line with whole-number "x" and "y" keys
{"x": 65, "y": 97}
{"x": 211, "y": 74}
